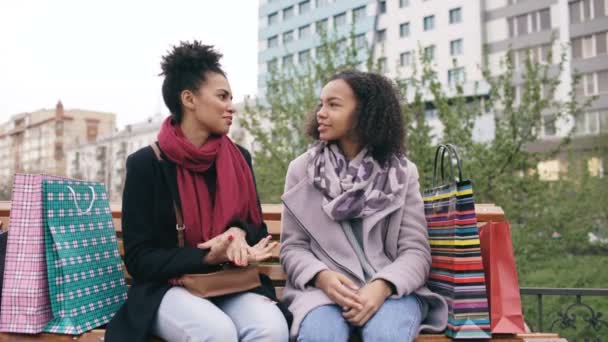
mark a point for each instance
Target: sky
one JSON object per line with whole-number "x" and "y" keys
{"x": 105, "y": 55}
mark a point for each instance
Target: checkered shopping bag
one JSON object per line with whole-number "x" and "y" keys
{"x": 86, "y": 279}
{"x": 25, "y": 294}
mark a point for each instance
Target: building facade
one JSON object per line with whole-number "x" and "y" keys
{"x": 458, "y": 37}
{"x": 104, "y": 160}
{"x": 37, "y": 142}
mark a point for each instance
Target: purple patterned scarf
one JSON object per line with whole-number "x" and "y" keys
{"x": 355, "y": 189}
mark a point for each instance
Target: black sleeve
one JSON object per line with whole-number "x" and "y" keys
{"x": 147, "y": 256}
{"x": 254, "y": 233}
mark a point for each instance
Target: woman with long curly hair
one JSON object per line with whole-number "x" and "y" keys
{"x": 354, "y": 241}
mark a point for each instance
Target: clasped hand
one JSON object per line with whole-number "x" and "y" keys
{"x": 232, "y": 247}
{"x": 358, "y": 304}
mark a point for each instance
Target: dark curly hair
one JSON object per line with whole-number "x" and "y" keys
{"x": 379, "y": 121}
{"x": 185, "y": 68}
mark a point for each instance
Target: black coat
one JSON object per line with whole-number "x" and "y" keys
{"x": 150, "y": 239}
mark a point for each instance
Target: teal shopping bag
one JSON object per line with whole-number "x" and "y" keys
{"x": 84, "y": 269}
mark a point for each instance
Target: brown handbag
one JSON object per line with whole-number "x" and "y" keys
{"x": 227, "y": 281}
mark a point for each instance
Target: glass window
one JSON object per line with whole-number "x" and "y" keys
{"x": 577, "y": 48}
{"x": 287, "y": 37}
{"x": 588, "y": 47}
{"x": 549, "y": 124}
{"x": 602, "y": 81}
{"x": 288, "y": 13}
{"x": 429, "y": 22}
{"x": 405, "y": 59}
{"x": 360, "y": 41}
{"x": 321, "y": 25}
{"x": 273, "y": 41}
{"x": 404, "y": 30}
{"x": 545, "y": 19}
{"x": 381, "y": 35}
{"x": 600, "y": 43}
{"x": 522, "y": 24}
{"x": 455, "y": 76}
{"x": 382, "y": 5}
{"x": 340, "y": 19}
{"x": 429, "y": 52}
{"x": 599, "y": 7}
{"x": 321, "y": 3}
{"x": 455, "y": 15}
{"x": 273, "y": 18}
{"x": 456, "y": 47}
{"x": 575, "y": 12}
{"x": 382, "y": 64}
{"x": 304, "y": 32}
{"x": 304, "y": 7}
{"x": 358, "y": 14}
{"x": 288, "y": 60}
{"x": 304, "y": 56}
{"x": 272, "y": 64}
{"x": 404, "y": 3}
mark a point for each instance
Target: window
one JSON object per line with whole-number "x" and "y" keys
{"x": 545, "y": 19}
{"x": 602, "y": 81}
{"x": 455, "y": 15}
{"x": 456, "y": 47}
{"x": 522, "y": 24}
{"x": 404, "y": 3}
{"x": 321, "y": 26}
{"x": 287, "y": 60}
{"x": 590, "y": 46}
{"x": 585, "y": 10}
{"x": 404, "y": 30}
{"x": 600, "y": 43}
{"x": 382, "y": 64}
{"x": 287, "y": 37}
{"x": 304, "y": 7}
{"x": 358, "y": 14}
{"x": 382, "y": 6}
{"x": 321, "y": 3}
{"x": 429, "y": 22}
{"x": 288, "y": 13}
{"x": 549, "y": 125}
{"x": 429, "y": 52}
{"x": 304, "y": 32}
{"x": 456, "y": 76}
{"x": 360, "y": 41}
{"x": 340, "y": 19}
{"x": 577, "y": 48}
{"x": 304, "y": 56}
{"x": 587, "y": 123}
{"x": 272, "y": 64}
{"x": 381, "y": 35}
{"x": 273, "y": 18}
{"x": 273, "y": 41}
{"x": 405, "y": 58}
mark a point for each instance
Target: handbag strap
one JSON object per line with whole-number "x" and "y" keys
{"x": 179, "y": 218}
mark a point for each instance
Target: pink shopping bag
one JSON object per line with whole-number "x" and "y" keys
{"x": 25, "y": 304}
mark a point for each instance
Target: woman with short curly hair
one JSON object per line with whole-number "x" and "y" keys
{"x": 211, "y": 179}
{"x": 354, "y": 241}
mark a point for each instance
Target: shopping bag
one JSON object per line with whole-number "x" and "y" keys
{"x": 501, "y": 278}
{"x": 25, "y": 306}
{"x": 457, "y": 268}
{"x": 85, "y": 274}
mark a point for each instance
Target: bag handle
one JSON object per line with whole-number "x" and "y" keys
{"x": 452, "y": 152}
{"x": 76, "y": 202}
{"x": 179, "y": 218}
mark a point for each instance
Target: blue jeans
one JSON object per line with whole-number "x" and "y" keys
{"x": 241, "y": 317}
{"x": 396, "y": 320}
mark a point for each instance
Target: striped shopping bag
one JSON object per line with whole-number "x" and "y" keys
{"x": 457, "y": 268}
{"x": 25, "y": 293}
{"x": 85, "y": 275}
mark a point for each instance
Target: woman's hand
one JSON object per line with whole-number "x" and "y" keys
{"x": 339, "y": 288}
{"x": 262, "y": 250}
{"x": 372, "y": 295}
{"x": 218, "y": 248}
{"x": 238, "y": 250}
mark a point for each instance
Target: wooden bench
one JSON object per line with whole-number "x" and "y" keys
{"x": 272, "y": 217}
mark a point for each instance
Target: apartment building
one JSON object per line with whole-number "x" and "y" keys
{"x": 36, "y": 142}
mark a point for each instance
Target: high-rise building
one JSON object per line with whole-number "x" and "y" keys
{"x": 36, "y": 142}
{"x": 458, "y": 36}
